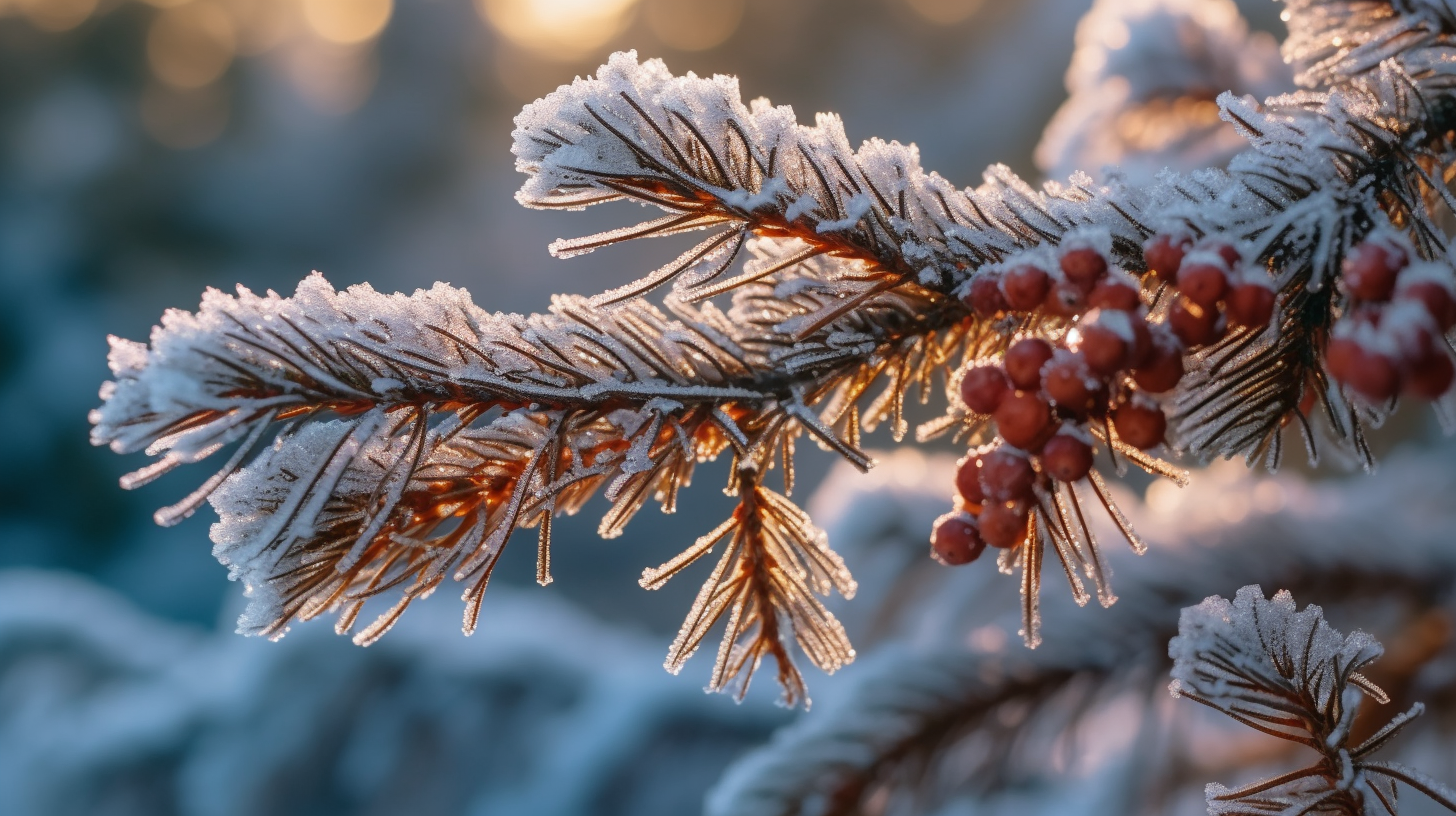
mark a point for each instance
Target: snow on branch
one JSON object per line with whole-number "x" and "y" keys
{"x": 1287, "y": 673}
{"x": 382, "y": 442}
{"x": 915, "y": 729}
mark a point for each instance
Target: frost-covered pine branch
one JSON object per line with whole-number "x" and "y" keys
{"x": 941, "y": 718}
{"x": 1288, "y": 674}
{"x": 383, "y": 443}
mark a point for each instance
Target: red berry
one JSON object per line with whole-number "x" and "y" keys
{"x": 1163, "y": 255}
{"x": 1370, "y": 270}
{"x": 1203, "y": 282}
{"x": 1066, "y": 458}
{"x": 968, "y": 481}
{"x": 1006, "y": 476}
{"x": 984, "y": 387}
{"x": 1372, "y": 375}
{"x": 1024, "y": 361}
{"x": 1141, "y": 426}
{"x": 1065, "y": 299}
{"x": 1230, "y": 255}
{"x": 1083, "y": 266}
{"x": 1071, "y": 385}
{"x": 1164, "y": 367}
{"x": 1251, "y": 305}
{"x": 1342, "y": 356}
{"x": 1375, "y": 377}
{"x": 984, "y": 297}
{"x": 1025, "y": 287}
{"x": 1437, "y": 299}
{"x": 956, "y": 539}
{"x": 1023, "y": 419}
{"x": 1105, "y": 337}
{"x": 1431, "y": 377}
{"x": 1142, "y": 341}
{"x": 1113, "y": 294}
{"x": 1003, "y": 525}
{"x": 1193, "y": 324}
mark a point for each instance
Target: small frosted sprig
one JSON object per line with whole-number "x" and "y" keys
{"x": 1287, "y": 673}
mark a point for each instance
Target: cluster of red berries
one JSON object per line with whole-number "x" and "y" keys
{"x": 1392, "y": 339}
{"x": 1043, "y": 396}
{"x": 1213, "y": 290}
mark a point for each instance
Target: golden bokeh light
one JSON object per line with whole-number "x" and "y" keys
{"x": 183, "y": 119}
{"x": 57, "y": 15}
{"x": 334, "y": 79}
{"x": 693, "y": 25}
{"x": 346, "y": 22}
{"x": 263, "y": 25}
{"x": 945, "y": 12}
{"x": 558, "y": 29}
{"x": 191, "y": 45}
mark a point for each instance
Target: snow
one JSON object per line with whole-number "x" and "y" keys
{"x": 545, "y": 712}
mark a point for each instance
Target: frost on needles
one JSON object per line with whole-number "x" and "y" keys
{"x": 374, "y": 445}
{"x": 1287, "y": 673}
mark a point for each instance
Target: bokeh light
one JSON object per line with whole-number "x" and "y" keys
{"x": 945, "y": 12}
{"x": 558, "y": 29}
{"x": 184, "y": 118}
{"x": 347, "y": 22}
{"x": 693, "y": 25}
{"x": 57, "y": 15}
{"x": 189, "y": 46}
{"x": 336, "y": 79}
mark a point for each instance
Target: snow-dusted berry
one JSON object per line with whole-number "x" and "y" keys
{"x": 1083, "y": 266}
{"x": 1141, "y": 426}
{"x": 1164, "y": 254}
{"x": 1024, "y": 361}
{"x": 1430, "y": 378}
{"x": 1006, "y": 476}
{"x": 968, "y": 481}
{"x": 1026, "y": 287}
{"x": 1072, "y": 385}
{"x": 984, "y": 296}
{"x": 1065, "y": 299}
{"x": 1066, "y": 458}
{"x": 1023, "y": 419}
{"x": 1003, "y": 524}
{"x": 1193, "y": 324}
{"x": 984, "y": 387}
{"x": 1106, "y": 340}
{"x": 1163, "y": 369}
{"x": 1114, "y": 294}
{"x": 956, "y": 539}
{"x": 1374, "y": 375}
{"x": 1435, "y": 296}
{"x": 1370, "y": 270}
{"x": 1228, "y": 252}
{"x": 1250, "y": 304}
{"x": 1203, "y": 280}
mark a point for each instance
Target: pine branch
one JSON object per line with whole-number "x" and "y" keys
{"x": 1288, "y": 674}
{"x": 411, "y": 435}
{"x": 918, "y": 728}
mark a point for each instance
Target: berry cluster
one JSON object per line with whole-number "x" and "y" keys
{"x": 1392, "y": 338}
{"x": 1097, "y": 372}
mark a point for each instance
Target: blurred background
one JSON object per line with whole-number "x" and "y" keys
{"x": 151, "y": 148}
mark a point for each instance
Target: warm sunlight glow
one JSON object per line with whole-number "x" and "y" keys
{"x": 693, "y": 25}
{"x": 558, "y": 29}
{"x": 945, "y": 12}
{"x": 57, "y": 15}
{"x": 347, "y": 21}
{"x": 190, "y": 46}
